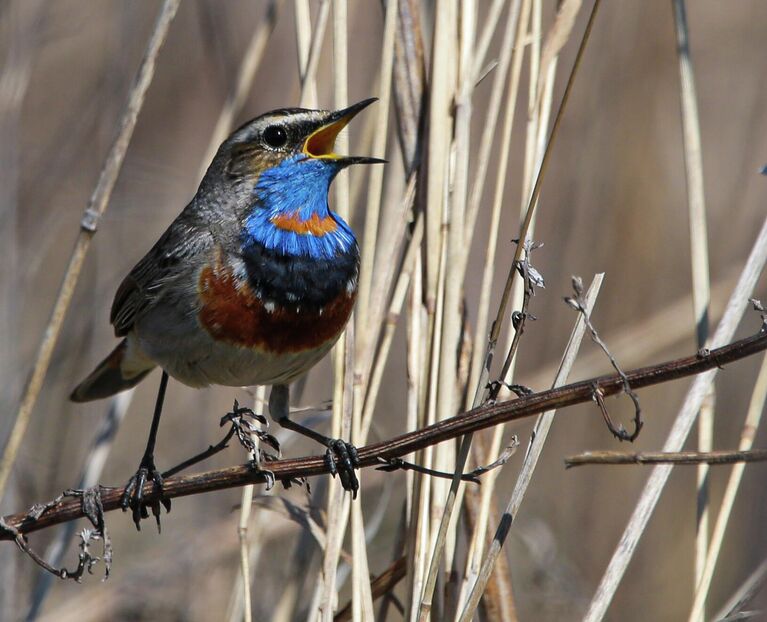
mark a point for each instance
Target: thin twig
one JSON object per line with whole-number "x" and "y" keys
{"x": 97, "y": 205}
{"x": 673, "y": 457}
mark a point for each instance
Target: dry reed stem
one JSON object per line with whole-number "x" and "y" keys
{"x": 450, "y": 318}
{"x": 323, "y": 601}
{"x": 459, "y": 242}
{"x": 509, "y": 48}
{"x": 242, "y": 527}
{"x": 510, "y": 279}
{"x": 515, "y": 28}
{"x": 497, "y": 603}
{"x": 392, "y": 318}
{"x": 750, "y": 426}
{"x": 539, "y": 102}
{"x": 476, "y": 545}
{"x": 97, "y": 205}
{"x": 681, "y": 428}
{"x": 309, "y": 95}
{"x": 375, "y": 182}
{"x": 701, "y": 294}
{"x": 488, "y": 30}
{"x": 431, "y": 499}
{"x": 743, "y": 595}
{"x": 480, "y": 392}
{"x": 303, "y": 24}
{"x": 416, "y": 356}
{"x": 534, "y": 450}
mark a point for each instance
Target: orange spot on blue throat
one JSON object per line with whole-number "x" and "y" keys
{"x": 314, "y": 225}
{"x": 290, "y": 212}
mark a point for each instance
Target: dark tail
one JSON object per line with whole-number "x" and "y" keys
{"x": 117, "y": 372}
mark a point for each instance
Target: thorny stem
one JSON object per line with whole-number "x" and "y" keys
{"x": 519, "y": 318}
{"x": 476, "y": 419}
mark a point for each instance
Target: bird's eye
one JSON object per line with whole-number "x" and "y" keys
{"x": 275, "y": 136}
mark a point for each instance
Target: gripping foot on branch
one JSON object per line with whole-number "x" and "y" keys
{"x": 133, "y": 495}
{"x": 246, "y": 425}
{"x": 341, "y": 457}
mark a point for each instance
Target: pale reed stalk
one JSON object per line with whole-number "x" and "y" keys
{"x": 684, "y": 421}
{"x": 750, "y": 426}
{"x": 534, "y": 450}
{"x": 701, "y": 294}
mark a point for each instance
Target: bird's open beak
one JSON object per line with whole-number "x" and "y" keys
{"x": 321, "y": 142}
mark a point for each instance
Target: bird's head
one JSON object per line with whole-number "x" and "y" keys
{"x": 291, "y": 136}
{"x": 282, "y": 163}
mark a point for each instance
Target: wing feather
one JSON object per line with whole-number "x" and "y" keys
{"x": 171, "y": 258}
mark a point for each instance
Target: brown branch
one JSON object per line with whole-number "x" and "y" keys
{"x": 479, "y": 418}
{"x": 666, "y": 457}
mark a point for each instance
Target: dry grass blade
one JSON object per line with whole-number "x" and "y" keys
{"x": 375, "y": 184}
{"x": 480, "y": 391}
{"x": 534, "y": 450}
{"x": 750, "y": 426}
{"x": 700, "y": 271}
{"x": 324, "y": 599}
{"x": 513, "y": 33}
{"x": 451, "y": 316}
{"x": 558, "y": 35}
{"x": 515, "y": 29}
{"x": 243, "y": 535}
{"x": 96, "y": 207}
{"x": 681, "y": 428}
{"x": 744, "y": 594}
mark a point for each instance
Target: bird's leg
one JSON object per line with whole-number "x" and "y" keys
{"x": 341, "y": 457}
{"x": 134, "y": 489}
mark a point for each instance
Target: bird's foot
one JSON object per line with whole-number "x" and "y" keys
{"x": 341, "y": 458}
{"x": 133, "y": 495}
{"x": 244, "y": 424}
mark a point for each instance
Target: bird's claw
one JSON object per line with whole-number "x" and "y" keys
{"x": 133, "y": 494}
{"x": 341, "y": 458}
{"x": 242, "y": 420}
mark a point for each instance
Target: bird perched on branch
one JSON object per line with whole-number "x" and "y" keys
{"x": 251, "y": 284}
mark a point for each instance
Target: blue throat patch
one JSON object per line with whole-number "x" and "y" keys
{"x": 297, "y": 189}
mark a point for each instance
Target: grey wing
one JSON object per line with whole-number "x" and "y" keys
{"x": 169, "y": 259}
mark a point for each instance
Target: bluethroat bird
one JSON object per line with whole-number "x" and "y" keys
{"x": 251, "y": 284}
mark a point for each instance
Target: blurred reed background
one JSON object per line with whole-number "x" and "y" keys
{"x": 614, "y": 200}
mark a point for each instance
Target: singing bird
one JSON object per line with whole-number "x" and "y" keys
{"x": 251, "y": 284}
